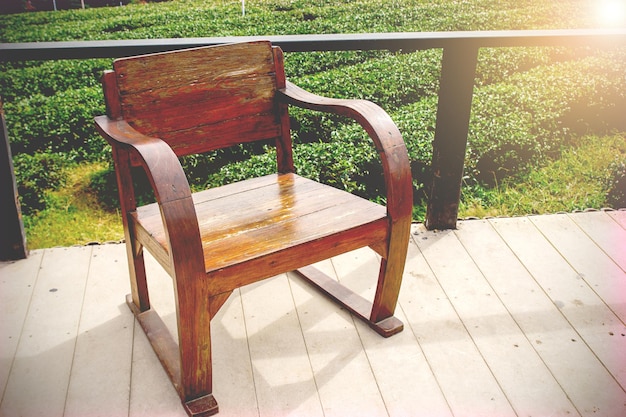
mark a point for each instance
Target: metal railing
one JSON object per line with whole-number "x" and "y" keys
{"x": 460, "y": 54}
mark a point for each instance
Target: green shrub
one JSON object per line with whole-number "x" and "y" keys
{"x": 519, "y": 123}
{"x": 616, "y": 196}
{"x": 49, "y": 77}
{"x": 299, "y": 64}
{"x": 589, "y": 174}
{"x": 525, "y": 108}
{"x": 35, "y": 175}
{"x": 104, "y": 184}
{"x": 348, "y": 162}
{"x": 392, "y": 81}
{"x": 59, "y": 123}
{"x": 197, "y": 18}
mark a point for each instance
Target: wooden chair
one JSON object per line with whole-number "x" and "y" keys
{"x": 166, "y": 105}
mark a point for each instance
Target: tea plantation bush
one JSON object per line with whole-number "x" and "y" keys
{"x": 527, "y": 100}
{"x": 528, "y": 118}
{"x": 22, "y": 80}
{"x": 62, "y": 123}
{"x": 35, "y": 174}
{"x": 515, "y": 125}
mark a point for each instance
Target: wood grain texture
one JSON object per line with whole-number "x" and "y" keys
{"x": 163, "y": 106}
{"x": 209, "y": 95}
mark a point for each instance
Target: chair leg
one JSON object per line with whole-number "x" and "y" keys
{"x": 196, "y": 373}
{"x": 379, "y": 314}
{"x": 138, "y": 281}
{"x": 187, "y": 363}
{"x": 194, "y": 336}
{"x": 391, "y": 270}
{"x": 134, "y": 250}
{"x": 388, "y": 290}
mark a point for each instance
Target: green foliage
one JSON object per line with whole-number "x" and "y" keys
{"x": 62, "y": 123}
{"x": 518, "y": 123}
{"x": 298, "y": 64}
{"x": 73, "y": 214}
{"x": 529, "y": 103}
{"x": 616, "y": 195}
{"x": 196, "y": 18}
{"x": 21, "y": 80}
{"x": 103, "y": 184}
{"x": 590, "y": 174}
{"x": 35, "y": 175}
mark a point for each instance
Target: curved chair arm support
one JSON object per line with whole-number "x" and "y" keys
{"x": 171, "y": 190}
{"x": 383, "y": 131}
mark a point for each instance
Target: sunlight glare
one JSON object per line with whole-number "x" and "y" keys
{"x": 611, "y": 12}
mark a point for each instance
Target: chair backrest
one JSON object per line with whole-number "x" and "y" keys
{"x": 201, "y": 99}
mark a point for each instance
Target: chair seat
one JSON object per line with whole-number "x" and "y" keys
{"x": 261, "y": 219}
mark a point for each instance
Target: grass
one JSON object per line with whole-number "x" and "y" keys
{"x": 74, "y": 215}
{"x": 583, "y": 177}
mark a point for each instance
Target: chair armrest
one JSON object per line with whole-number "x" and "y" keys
{"x": 158, "y": 159}
{"x": 384, "y": 133}
{"x": 170, "y": 186}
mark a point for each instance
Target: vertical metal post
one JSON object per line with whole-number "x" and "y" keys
{"x": 458, "y": 70}
{"x": 12, "y": 236}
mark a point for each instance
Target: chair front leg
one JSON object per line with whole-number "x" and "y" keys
{"x": 391, "y": 270}
{"x": 194, "y": 333}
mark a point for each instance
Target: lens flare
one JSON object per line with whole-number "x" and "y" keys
{"x": 611, "y": 12}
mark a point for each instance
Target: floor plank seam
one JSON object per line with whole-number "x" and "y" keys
{"x": 571, "y": 326}
{"x": 132, "y": 362}
{"x": 581, "y": 337}
{"x": 415, "y": 336}
{"x": 369, "y": 363}
{"x": 575, "y": 269}
{"x": 430, "y": 368}
{"x": 306, "y": 345}
{"x": 472, "y": 336}
{"x": 253, "y": 374}
{"x": 466, "y": 330}
{"x": 595, "y": 241}
{"x": 80, "y": 319}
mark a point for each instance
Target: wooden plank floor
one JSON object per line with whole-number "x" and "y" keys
{"x": 503, "y": 317}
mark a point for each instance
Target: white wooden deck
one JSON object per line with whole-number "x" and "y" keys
{"x": 503, "y": 317}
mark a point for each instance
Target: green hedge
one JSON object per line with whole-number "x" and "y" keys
{"x": 196, "y": 18}
{"x": 22, "y": 80}
{"x": 520, "y": 95}
{"x": 518, "y": 123}
{"x": 514, "y": 125}
{"x": 35, "y": 175}
{"x": 62, "y": 123}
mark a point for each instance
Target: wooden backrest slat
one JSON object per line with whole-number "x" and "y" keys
{"x": 193, "y": 98}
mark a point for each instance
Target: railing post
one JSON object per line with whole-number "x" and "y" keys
{"x": 12, "y": 237}
{"x": 458, "y": 70}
